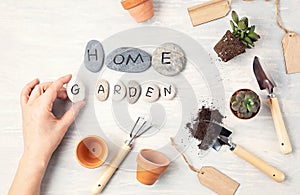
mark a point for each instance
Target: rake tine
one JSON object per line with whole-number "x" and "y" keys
{"x": 136, "y": 122}
{"x": 138, "y": 135}
{"x": 141, "y": 127}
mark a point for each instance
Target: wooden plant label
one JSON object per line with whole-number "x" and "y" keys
{"x": 208, "y": 11}
{"x": 217, "y": 181}
{"x": 291, "y": 52}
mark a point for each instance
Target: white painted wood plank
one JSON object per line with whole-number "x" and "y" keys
{"x": 47, "y": 39}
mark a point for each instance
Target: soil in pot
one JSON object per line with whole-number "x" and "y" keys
{"x": 229, "y": 47}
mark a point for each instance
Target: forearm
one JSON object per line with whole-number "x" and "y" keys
{"x": 29, "y": 176}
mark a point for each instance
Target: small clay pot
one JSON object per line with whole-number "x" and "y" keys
{"x": 91, "y": 151}
{"x": 151, "y": 165}
{"x": 235, "y": 112}
{"x": 140, "y": 10}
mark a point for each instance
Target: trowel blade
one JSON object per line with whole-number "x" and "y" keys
{"x": 219, "y": 142}
{"x": 261, "y": 77}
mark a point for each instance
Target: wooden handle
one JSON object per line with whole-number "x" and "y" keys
{"x": 283, "y": 138}
{"x": 263, "y": 166}
{"x": 110, "y": 169}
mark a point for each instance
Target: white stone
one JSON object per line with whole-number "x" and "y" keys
{"x": 133, "y": 91}
{"x": 75, "y": 90}
{"x": 150, "y": 92}
{"x": 102, "y": 90}
{"x": 119, "y": 91}
{"x": 167, "y": 91}
{"x": 168, "y": 59}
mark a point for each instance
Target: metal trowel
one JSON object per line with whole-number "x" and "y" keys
{"x": 265, "y": 83}
{"x": 269, "y": 170}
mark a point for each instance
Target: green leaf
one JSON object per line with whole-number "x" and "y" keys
{"x": 235, "y": 105}
{"x": 242, "y": 25}
{"x": 235, "y": 17}
{"x": 233, "y": 98}
{"x": 248, "y": 41}
{"x": 253, "y": 36}
{"x": 242, "y": 34}
{"x": 252, "y": 28}
{"x": 243, "y": 109}
{"x": 245, "y": 20}
{"x": 250, "y": 96}
{"x": 247, "y": 115}
{"x": 255, "y": 107}
{"x": 232, "y": 25}
{"x": 240, "y": 95}
{"x": 244, "y": 42}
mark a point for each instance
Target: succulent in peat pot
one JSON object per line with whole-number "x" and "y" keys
{"x": 235, "y": 42}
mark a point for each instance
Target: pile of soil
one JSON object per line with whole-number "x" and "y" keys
{"x": 204, "y": 127}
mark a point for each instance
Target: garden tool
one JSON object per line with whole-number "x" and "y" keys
{"x": 224, "y": 139}
{"x": 137, "y": 130}
{"x": 265, "y": 83}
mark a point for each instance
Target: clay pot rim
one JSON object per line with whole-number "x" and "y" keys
{"x": 128, "y": 4}
{"x": 234, "y": 113}
{"x": 104, "y": 155}
{"x": 167, "y": 161}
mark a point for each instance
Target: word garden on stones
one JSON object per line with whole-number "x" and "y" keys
{"x": 168, "y": 59}
{"x": 149, "y": 92}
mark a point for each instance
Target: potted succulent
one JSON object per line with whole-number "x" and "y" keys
{"x": 235, "y": 42}
{"x": 244, "y": 103}
{"x": 140, "y": 10}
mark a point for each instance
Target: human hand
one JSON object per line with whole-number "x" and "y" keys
{"x": 42, "y": 131}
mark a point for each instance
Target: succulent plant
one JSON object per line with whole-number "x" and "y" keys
{"x": 242, "y": 30}
{"x": 245, "y": 104}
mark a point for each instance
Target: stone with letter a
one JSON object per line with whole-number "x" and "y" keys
{"x": 102, "y": 90}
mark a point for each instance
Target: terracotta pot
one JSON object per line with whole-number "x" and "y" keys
{"x": 140, "y": 10}
{"x": 235, "y": 113}
{"x": 151, "y": 165}
{"x": 91, "y": 152}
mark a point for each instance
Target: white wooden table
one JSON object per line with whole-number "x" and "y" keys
{"x": 47, "y": 40}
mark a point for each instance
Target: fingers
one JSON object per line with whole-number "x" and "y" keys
{"x": 67, "y": 119}
{"x": 25, "y": 94}
{"x": 62, "y": 94}
{"x": 56, "y": 88}
{"x": 38, "y": 91}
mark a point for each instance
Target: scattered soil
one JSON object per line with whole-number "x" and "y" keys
{"x": 229, "y": 47}
{"x": 204, "y": 127}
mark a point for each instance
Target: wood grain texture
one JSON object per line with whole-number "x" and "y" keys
{"x": 46, "y": 39}
{"x": 208, "y": 11}
{"x": 282, "y": 134}
{"x": 260, "y": 164}
{"x": 217, "y": 181}
{"x": 110, "y": 169}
